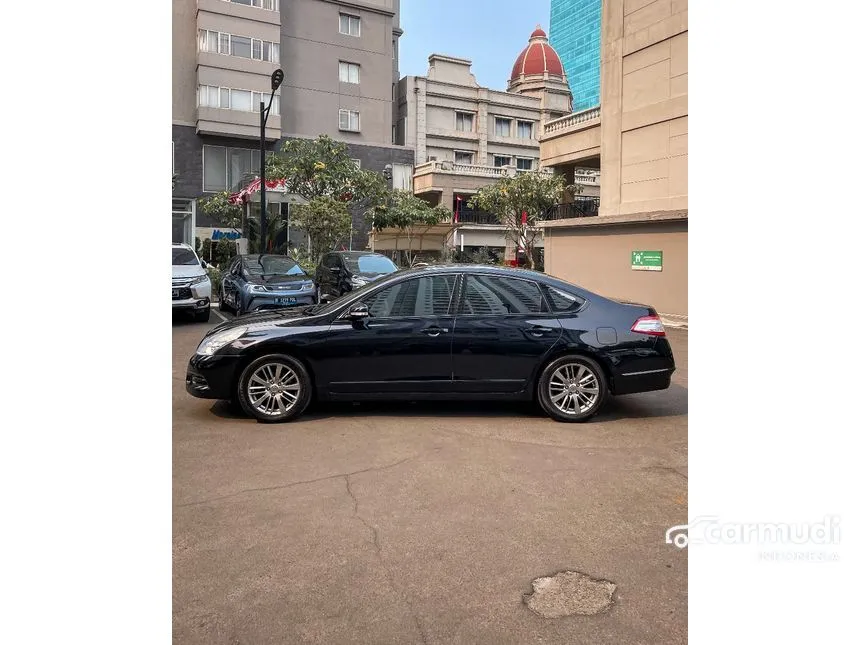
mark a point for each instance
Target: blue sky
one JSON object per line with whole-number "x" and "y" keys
{"x": 491, "y": 33}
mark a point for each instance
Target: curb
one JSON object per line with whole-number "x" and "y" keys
{"x": 674, "y": 322}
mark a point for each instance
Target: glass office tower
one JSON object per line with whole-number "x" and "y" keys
{"x": 574, "y": 32}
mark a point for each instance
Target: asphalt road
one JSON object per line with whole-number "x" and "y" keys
{"x": 424, "y": 523}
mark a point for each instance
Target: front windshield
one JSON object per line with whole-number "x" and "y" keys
{"x": 184, "y": 257}
{"x": 268, "y": 265}
{"x": 370, "y": 264}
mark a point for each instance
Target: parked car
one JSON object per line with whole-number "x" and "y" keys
{"x": 253, "y": 282}
{"x": 443, "y": 332}
{"x": 192, "y": 289}
{"x": 340, "y": 272}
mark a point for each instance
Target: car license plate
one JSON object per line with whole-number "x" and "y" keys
{"x": 175, "y": 294}
{"x": 285, "y": 301}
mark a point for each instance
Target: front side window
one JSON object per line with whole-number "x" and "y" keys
{"x": 428, "y": 296}
{"x": 498, "y": 295}
{"x": 503, "y": 127}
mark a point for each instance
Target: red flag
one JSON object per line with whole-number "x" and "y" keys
{"x": 525, "y": 217}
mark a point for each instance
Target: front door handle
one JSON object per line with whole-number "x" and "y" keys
{"x": 539, "y": 331}
{"x": 434, "y": 331}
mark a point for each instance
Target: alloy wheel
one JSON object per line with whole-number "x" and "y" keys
{"x": 574, "y": 388}
{"x": 273, "y": 389}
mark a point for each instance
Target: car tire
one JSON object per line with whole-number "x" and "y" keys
{"x": 222, "y": 302}
{"x": 572, "y": 388}
{"x": 237, "y": 310}
{"x": 202, "y": 316}
{"x": 277, "y": 370}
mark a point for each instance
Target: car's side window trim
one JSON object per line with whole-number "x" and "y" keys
{"x": 545, "y": 305}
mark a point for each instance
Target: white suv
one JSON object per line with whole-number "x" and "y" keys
{"x": 192, "y": 289}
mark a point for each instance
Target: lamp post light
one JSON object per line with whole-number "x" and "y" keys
{"x": 277, "y": 79}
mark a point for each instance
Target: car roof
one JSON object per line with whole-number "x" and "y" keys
{"x": 180, "y": 245}
{"x": 355, "y": 253}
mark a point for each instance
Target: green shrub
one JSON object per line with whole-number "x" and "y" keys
{"x": 215, "y": 275}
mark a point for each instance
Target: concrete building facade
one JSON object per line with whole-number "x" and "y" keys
{"x": 638, "y": 139}
{"x": 340, "y": 64}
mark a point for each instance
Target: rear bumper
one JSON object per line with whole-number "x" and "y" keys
{"x": 643, "y": 381}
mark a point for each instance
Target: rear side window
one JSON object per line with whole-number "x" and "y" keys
{"x": 494, "y": 295}
{"x": 562, "y": 301}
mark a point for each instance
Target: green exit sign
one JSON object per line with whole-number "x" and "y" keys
{"x": 647, "y": 260}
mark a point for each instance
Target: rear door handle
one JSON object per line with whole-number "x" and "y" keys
{"x": 434, "y": 331}
{"x": 537, "y": 330}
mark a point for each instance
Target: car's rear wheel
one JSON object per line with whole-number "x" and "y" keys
{"x": 274, "y": 388}
{"x": 572, "y": 388}
{"x": 222, "y": 301}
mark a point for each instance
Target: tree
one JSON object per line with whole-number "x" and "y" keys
{"x": 409, "y": 214}
{"x": 322, "y": 167}
{"x": 219, "y": 207}
{"x": 326, "y": 221}
{"x": 531, "y": 193}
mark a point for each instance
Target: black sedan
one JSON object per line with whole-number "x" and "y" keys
{"x": 444, "y": 332}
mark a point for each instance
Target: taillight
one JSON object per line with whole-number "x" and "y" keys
{"x": 649, "y": 325}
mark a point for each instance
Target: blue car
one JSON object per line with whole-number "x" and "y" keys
{"x": 254, "y": 282}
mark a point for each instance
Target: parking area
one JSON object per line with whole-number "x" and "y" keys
{"x": 424, "y": 523}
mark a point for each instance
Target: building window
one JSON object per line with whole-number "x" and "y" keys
{"x": 349, "y": 72}
{"x": 401, "y": 176}
{"x": 503, "y": 127}
{"x": 215, "y": 42}
{"x": 227, "y": 98}
{"x": 350, "y": 25}
{"x": 271, "y": 5}
{"x": 499, "y": 161}
{"x": 524, "y": 129}
{"x": 225, "y": 168}
{"x": 348, "y": 120}
{"x": 463, "y": 121}
{"x": 524, "y": 163}
{"x": 462, "y": 157}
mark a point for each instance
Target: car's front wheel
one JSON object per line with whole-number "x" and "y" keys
{"x": 274, "y": 388}
{"x": 572, "y": 388}
{"x": 202, "y": 316}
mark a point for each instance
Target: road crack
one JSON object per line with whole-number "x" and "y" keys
{"x": 291, "y": 484}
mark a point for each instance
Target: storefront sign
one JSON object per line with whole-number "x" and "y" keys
{"x": 647, "y": 261}
{"x": 225, "y": 235}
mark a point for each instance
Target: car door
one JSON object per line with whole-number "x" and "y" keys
{"x": 404, "y": 346}
{"x": 323, "y": 278}
{"x": 503, "y": 330}
{"x": 228, "y": 281}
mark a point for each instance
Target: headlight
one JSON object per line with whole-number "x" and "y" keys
{"x": 258, "y": 288}
{"x": 215, "y": 342}
{"x": 199, "y": 279}
{"x": 307, "y": 285}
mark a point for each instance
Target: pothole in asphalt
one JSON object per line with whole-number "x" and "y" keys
{"x": 569, "y": 593}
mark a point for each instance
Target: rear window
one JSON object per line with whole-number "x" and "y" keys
{"x": 563, "y": 301}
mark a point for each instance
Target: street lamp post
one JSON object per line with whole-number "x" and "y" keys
{"x": 277, "y": 79}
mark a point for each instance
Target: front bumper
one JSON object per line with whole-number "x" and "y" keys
{"x": 212, "y": 377}
{"x": 257, "y": 301}
{"x": 196, "y": 296}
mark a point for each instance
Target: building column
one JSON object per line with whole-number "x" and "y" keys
{"x": 611, "y": 79}
{"x": 482, "y": 125}
{"x": 420, "y": 91}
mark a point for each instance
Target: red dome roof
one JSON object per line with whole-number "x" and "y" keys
{"x": 538, "y": 57}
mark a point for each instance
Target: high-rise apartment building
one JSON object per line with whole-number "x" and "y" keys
{"x": 574, "y": 32}
{"x": 340, "y": 64}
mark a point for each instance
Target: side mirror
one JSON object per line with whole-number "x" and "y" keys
{"x": 203, "y": 264}
{"x": 358, "y": 312}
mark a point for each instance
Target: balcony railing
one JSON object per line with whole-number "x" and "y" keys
{"x": 453, "y": 168}
{"x": 472, "y": 216}
{"x": 565, "y": 122}
{"x": 580, "y": 207}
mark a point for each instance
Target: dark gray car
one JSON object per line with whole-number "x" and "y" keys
{"x": 340, "y": 272}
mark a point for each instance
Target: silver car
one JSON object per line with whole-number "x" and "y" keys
{"x": 192, "y": 289}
